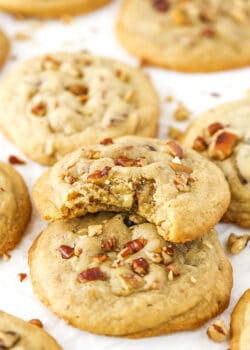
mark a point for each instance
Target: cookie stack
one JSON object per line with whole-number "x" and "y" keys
{"x": 132, "y": 234}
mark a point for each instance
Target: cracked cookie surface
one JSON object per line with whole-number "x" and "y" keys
{"x": 17, "y": 334}
{"x": 15, "y": 207}
{"x": 51, "y": 105}
{"x": 192, "y": 36}
{"x": 240, "y": 323}
{"x": 155, "y": 179}
{"x": 52, "y": 8}
{"x": 223, "y": 136}
{"x": 113, "y": 274}
{"x": 4, "y": 47}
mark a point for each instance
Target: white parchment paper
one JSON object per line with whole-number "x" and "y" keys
{"x": 95, "y": 32}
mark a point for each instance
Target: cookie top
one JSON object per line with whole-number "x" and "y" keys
{"x": 15, "y": 207}
{"x": 17, "y": 334}
{"x": 240, "y": 323}
{"x": 51, "y": 8}
{"x": 51, "y": 105}
{"x": 101, "y": 271}
{"x": 192, "y": 36}
{"x": 179, "y": 191}
{"x": 223, "y": 135}
{"x": 4, "y": 47}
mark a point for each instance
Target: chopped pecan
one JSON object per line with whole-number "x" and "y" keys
{"x": 200, "y": 144}
{"x": 8, "y": 339}
{"x": 180, "y": 168}
{"x": 125, "y": 162}
{"x": 236, "y": 244}
{"x": 217, "y": 331}
{"x": 99, "y": 175}
{"x": 22, "y": 276}
{"x": 214, "y": 127}
{"x": 66, "y": 251}
{"x": 102, "y": 257}
{"x": 133, "y": 246}
{"x": 70, "y": 179}
{"x": 175, "y": 149}
{"x": 16, "y": 160}
{"x": 223, "y": 145}
{"x": 39, "y": 109}
{"x": 78, "y": 90}
{"x": 140, "y": 266}
{"x": 109, "y": 245}
{"x": 161, "y": 5}
{"x": 36, "y": 322}
{"x": 92, "y": 274}
{"x": 107, "y": 141}
{"x": 181, "y": 182}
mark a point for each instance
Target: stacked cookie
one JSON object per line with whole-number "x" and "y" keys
{"x": 132, "y": 235}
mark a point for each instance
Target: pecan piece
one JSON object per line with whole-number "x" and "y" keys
{"x": 199, "y": 144}
{"x": 78, "y": 90}
{"x": 66, "y": 251}
{"x": 217, "y": 331}
{"x": 36, "y": 322}
{"x": 161, "y": 5}
{"x": 208, "y": 32}
{"x": 16, "y": 160}
{"x": 39, "y": 109}
{"x": 133, "y": 247}
{"x": 140, "y": 266}
{"x": 124, "y": 161}
{"x": 214, "y": 127}
{"x": 173, "y": 269}
{"x": 109, "y": 245}
{"x": 175, "y": 149}
{"x": 223, "y": 145}
{"x": 92, "y": 274}
{"x": 99, "y": 175}
{"x": 235, "y": 244}
{"x": 107, "y": 141}
{"x": 180, "y": 168}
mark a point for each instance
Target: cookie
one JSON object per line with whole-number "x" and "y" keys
{"x": 53, "y": 104}
{"x": 223, "y": 135}
{"x": 4, "y": 48}
{"x": 52, "y": 8}
{"x": 240, "y": 324}
{"x": 153, "y": 178}
{"x": 15, "y": 207}
{"x": 190, "y": 36}
{"x": 101, "y": 271}
{"x": 18, "y": 334}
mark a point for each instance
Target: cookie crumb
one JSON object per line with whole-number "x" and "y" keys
{"x": 174, "y": 133}
{"x": 182, "y": 113}
{"x": 215, "y": 94}
{"x": 235, "y": 244}
{"x": 22, "y": 276}
{"x": 169, "y": 98}
{"x": 217, "y": 331}
{"x": 15, "y": 160}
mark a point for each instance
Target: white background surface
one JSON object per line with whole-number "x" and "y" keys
{"x": 95, "y": 32}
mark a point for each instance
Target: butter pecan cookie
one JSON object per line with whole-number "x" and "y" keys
{"x": 192, "y": 36}
{"x": 179, "y": 191}
{"x": 53, "y": 104}
{"x": 101, "y": 271}
{"x": 240, "y": 324}
{"x": 4, "y": 48}
{"x": 15, "y": 207}
{"x": 223, "y": 136}
{"x": 18, "y": 334}
{"x": 51, "y": 8}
